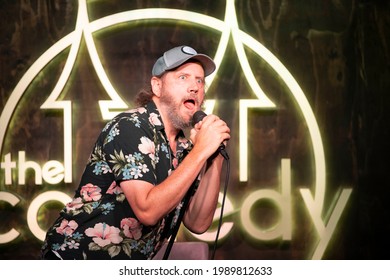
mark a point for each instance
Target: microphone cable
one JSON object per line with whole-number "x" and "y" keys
{"x": 187, "y": 198}
{"x": 227, "y": 160}
{"x": 198, "y": 116}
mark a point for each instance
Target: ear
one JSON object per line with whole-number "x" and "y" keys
{"x": 156, "y": 86}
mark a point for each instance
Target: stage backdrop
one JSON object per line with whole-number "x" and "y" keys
{"x": 304, "y": 86}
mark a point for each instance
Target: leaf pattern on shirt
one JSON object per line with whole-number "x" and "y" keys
{"x": 99, "y": 220}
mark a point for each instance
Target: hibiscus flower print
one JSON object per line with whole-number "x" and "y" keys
{"x": 147, "y": 147}
{"x": 154, "y": 119}
{"x": 67, "y": 227}
{"x": 131, "y": 228}
{"x": 114, "y": 189}
{"x": 103, "y": 234}
{"x": 90, "y": 192}
{"x": 75, "y": 204}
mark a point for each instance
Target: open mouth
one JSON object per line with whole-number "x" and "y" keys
{"x": 189, "y": 104}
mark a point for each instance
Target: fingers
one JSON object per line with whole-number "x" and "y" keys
{"x": 209, "y": 120}
{"x": 216, "y": 124}
{"x": 212, "y": 127}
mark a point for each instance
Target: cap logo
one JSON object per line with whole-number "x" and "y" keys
{"x": 188, "y": 50}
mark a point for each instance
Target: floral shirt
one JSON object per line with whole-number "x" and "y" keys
{"x": 99, "y": 223}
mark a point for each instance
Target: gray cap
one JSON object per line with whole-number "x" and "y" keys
{"x": 178, "y": 56}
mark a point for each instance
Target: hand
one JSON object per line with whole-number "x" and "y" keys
{"x": 209, "y": 133}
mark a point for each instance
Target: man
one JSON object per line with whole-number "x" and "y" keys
{"x": 141, "y": 168}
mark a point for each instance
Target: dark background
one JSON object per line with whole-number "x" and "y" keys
{"x": 338, "y": 51}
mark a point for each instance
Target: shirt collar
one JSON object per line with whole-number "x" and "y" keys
{"x": 152, "y": 108}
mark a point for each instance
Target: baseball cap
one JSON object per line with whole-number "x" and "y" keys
{"x": 177, "y": 56}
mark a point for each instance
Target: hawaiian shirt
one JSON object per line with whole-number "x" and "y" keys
{"x": 99, "y": 223}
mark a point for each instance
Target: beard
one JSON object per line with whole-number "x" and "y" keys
{"x": 172, "y": 109}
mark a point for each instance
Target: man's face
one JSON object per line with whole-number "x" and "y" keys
{"x": 182, "y": 93}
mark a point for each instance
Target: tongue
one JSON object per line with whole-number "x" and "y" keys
{"x": 189, "y": 105}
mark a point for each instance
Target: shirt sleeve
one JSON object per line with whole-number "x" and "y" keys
{"x": 130, "y": 150}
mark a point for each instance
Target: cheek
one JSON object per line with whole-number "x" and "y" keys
{"x": 201, "y": 97}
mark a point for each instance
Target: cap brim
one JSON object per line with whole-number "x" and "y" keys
{"x": 207, "y": 63}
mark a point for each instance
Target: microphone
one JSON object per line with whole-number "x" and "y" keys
{"x": 197, "y": 117}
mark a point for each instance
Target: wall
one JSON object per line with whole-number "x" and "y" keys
{"x": 308, "y": 176}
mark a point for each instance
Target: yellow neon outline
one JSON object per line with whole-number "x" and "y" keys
{"x": 226, "y": 27}
{"x": 12, "y": 233}
{"x": 36, "y": 203}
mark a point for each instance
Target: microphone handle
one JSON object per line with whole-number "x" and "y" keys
{"x": 222, "y": 151}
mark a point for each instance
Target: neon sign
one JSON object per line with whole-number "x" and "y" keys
{"x": 54, "y": 172}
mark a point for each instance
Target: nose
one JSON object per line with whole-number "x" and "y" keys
{"x": 193, "y": 86}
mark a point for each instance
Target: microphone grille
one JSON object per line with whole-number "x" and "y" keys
{"x": 197, "y": 117}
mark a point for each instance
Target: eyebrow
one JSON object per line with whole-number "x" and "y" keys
{"x": 189, "y": 74}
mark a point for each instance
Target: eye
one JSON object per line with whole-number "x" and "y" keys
{"x": 200, "y": 81}
{"x": 182, "y": 77}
